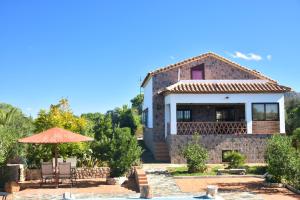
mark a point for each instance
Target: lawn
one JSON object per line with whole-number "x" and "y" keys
{"x": 212, "y": 170}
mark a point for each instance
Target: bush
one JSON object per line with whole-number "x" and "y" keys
{"x": 296, "y": 138}
{"x": 235, "y": 159}
{"x": 293, "y": 173}
{"x": 260, "y": 170}
{"x": 196, "y": 156}
{"x": 280, "y": 157}
{"x": 123, "y": 152}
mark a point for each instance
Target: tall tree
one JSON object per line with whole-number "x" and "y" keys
{"x": 13, "y": 125}
{"x": 137, "y": 103}
{"x": 60, "y": 115}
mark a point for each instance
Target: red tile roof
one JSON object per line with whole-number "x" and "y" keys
{"x": 196, "y": 58}
{"x": 55, "y": 136}
{"x": 225, "y": 87}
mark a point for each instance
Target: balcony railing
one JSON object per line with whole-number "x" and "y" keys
{"x": 190, "y": 128}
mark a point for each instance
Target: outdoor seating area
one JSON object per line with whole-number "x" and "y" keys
{"x": 66, "y": 170}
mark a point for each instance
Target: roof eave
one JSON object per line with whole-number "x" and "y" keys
{"x": 148, "y": 76}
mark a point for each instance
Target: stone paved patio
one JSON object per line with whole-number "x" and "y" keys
{"x": 164, "y": 187}
{"x": 163, "y": 184}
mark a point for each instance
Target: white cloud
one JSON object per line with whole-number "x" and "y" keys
{"x": 172, "y": 57}
{"x": 269, "y": 57}
{"x": 249, "y": 56}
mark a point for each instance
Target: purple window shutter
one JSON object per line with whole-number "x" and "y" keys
{"x": 197, "y": 74}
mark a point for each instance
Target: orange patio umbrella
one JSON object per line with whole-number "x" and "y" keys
{"x": 55, "y": 136}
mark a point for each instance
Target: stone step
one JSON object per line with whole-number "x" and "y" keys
{"x": 161, "y": 152}
{"x": 143, "y": 182}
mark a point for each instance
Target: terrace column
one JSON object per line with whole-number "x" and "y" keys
{"x": 167, "y": 119}
{"x": 282, "y": 115}
{"x": 173, "y": 119}
{"x": 248, "y": 117}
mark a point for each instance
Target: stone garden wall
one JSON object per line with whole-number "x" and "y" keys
{"x": 81, "y": 173}
{"x": 251, "y": 145}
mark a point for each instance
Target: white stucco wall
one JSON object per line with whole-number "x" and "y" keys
{"x": 148, "y": 99}
{"x": 247, "y": 99}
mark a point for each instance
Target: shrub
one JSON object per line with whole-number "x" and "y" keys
{"x": 260, "y": 170}
{"x": 293, "y": 173}
{"x": 235, "y": 159}
{"x": 296, "y": 138}
{"x": 123, "y": 151}
{"x": 196, "y": 156}
{"x": 280, "y": 157}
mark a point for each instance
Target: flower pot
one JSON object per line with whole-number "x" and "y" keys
{"x": 115, "y": 180}
{"x": 11, "y": 187}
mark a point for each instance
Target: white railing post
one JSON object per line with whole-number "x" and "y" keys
{"x": 248, "y": 116}
{"x": 173, "y": 120}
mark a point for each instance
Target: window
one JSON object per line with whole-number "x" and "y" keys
{"x": 197, "y": 73}
{"x": 145, "y": 117}
{"x": 183, "y": 115}
{"x": 225, "y": 115}
{"x": 265, "y": 111}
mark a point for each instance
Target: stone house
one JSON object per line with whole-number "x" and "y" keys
{"x": 230, "y": 106}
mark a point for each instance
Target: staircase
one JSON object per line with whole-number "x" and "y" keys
{"x": 161, "y": 152}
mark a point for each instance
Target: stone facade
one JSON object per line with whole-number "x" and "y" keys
{"x": 251, "y": 145}
{"x": 265, "y": 127}
{"x": 215, "y": 69}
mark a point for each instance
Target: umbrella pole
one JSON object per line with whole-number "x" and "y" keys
{"x": 56, "y": 170}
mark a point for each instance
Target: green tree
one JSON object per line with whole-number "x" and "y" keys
{"x": 59, "y": 115}
{"x": 125, "y": 117}
{"x": 13, "y": 125}
{"x": 280, "y": 157}
{"x": 123, "y": 152}
{"x": 292, "y": 107}
{"x": 137, "y": 103}
{"x": 101, "y": 124}
{"x": 293, "y": 119}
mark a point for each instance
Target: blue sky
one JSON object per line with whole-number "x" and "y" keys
{"x": 94, "y": 52}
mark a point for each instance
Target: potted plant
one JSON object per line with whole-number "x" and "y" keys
{"x": 124, "y": 152}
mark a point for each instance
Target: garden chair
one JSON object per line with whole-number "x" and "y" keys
{"x": 65, "y": 171}
{"x": 59, "y": 160}
{"x": 47, "y": 172}
{"x": 73, "y": 162}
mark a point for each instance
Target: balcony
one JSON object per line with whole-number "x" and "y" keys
{"x": 190, "y": 128}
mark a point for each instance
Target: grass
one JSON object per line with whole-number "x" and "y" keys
{"x": 212, "y": 170}
{"x": 183, "y": 171}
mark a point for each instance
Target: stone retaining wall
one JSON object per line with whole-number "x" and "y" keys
{"x": 81, "y": 173}
{"x": 97, "y": 172}
{"x": 251, "y": 145}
